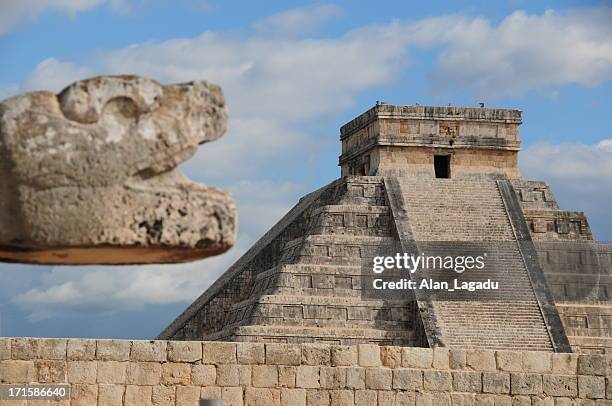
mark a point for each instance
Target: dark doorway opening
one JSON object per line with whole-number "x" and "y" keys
{"x": 442, "y": 166}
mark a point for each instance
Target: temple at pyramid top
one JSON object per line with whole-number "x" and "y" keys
{"x": 444, "y": 142}
{"x": 430, "y": 181}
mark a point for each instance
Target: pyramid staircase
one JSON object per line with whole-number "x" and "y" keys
{"x": 474, "y": 217}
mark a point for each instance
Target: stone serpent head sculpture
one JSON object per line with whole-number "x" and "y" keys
{"x": 89, "y": 176}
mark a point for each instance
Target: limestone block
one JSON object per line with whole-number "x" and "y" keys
{"x": 262, "y": 397}
{"x": 462, "y": 399}
{"x": 407, "y": 379}
{"x": 82, "y": 371}
{"x": 52, "y": 348}
{"x": 174, "y": 373}
{"x": 494, "y": 382}
{"x": 497, "y": 400}
{"x": 369, "y": 355}
{"x": 233, "y": 375}
{"x": 508, "y": 361}
{"x": 143, "y": 373}
{"x": 81, "y": 350}
{"x": 465, "y": 381}
{"x": 379, "y": 378}
{"x": 113, "y": 350}
{"x": 163, "y": 395}
{"x": 203, "y": 375}
{"x": 16, "y": 371}
{"x": 307, "y": 377}
{"x": 391, "y": 357}
{"x": 187, "y": 395}
{"x": 50, "y": 371}
{"x": 542, "y": 401}
{"x": 5, "y": 349}
{"x": 333, "y": 377}
{"x": 184, "y": 351}
{"x": 265, "y": 376}
{"x": 251, "y": 353}
{"x": 537, "y": 361}
{"x": 148, "y": 351}
{"x": 441, "y": 358}
{"x": 24, "y": 348}
{"x": 343, "y": 398}
{"x": 521, "y": 401}
{"x": 592, "y": 364}
{"x": 286, "y": 376}
{"x": 405, "y": 398}
{"x": 591, "y": 387}
{"x": 293, "y": 397}
{"x": 317, "y": 397}
{"x": 218, "y": 353}
{"x": 560, "y": 385}
{"x": 355, "y": 378}
{"x": 481, "y": 360}
{"x": 433, "y": 399}
{"x": 565, "y": 363}
{"x": 414, "y": 357}
{"x": 89, "y": 175}
{"x": 111, "y": 372}
{"x": 525, "y": 384}
{"x": 138, "y": 395}
{"x": 343, "y": 355}
{"x": 316, "y": 354}
{"x": 283, "y": 354}
{"x": 437, "y": 381}
{"x": 232, "y": 396}
{"x": 87, "y": 395}
{"x": 457, "y": 359}
{"x": 210, "y": 392}
{"x": 112, "y": 395}
{"x": 365, "y": 397}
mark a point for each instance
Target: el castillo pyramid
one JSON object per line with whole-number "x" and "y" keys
{"x": 415, "y": 179}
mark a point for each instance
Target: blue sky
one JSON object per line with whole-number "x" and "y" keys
{"x": 293, "y": 73}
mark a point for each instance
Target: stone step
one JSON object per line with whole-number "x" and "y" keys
{"x": 448, "y": 217}
{"x": 335, "y": 249}
{"x": 358, "y": 220}
{"x": 339, "y": 335}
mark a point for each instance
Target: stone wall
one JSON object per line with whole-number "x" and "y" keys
{"x": 481, "y": 142}
{"x": 465, "y": 162}
{"x": 123, "y": 372}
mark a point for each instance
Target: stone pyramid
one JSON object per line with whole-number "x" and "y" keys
{"x": 441, "y": 180}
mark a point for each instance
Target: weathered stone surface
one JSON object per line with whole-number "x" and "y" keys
{"x": 218, "y": 353}
{"x": 203, "y": 375}
{"x": 113, "y": 350}
{"x": 251, "y": 353}
{"x": 111, "y": 372}
{"x": 184, "y": 351}
{"x": 89, "y": 176}
{"x": 184, "y": 382}
{"x": 148, "y": 351}
{"x": 81, "y": 350}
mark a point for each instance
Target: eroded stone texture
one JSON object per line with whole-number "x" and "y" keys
{"x": 89, "y": 175}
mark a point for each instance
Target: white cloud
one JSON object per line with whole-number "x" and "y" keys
{"x": 301, "y": 77}
{"x": 299, "y": 21}
{"x": 580, "y": 175}
{"x": 572, "y": 162}
{"x": 524, "y": 52}
{"x": 13, "y": 13}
